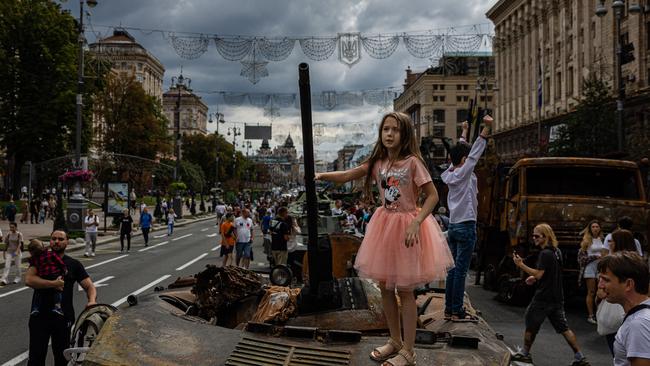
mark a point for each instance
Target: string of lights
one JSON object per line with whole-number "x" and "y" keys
{"x": 255, "y": 52}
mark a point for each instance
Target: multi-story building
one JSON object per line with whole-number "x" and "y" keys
{"x": 128, "y": 57}
{"x": 193, "y": 113}
{"x": 281, "y": 163}
{"x": 439, "y": 98}
{"x": 544, "y": 49}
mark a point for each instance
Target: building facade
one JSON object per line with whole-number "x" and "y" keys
{"x": 544, "y": 49}
{"x": 281, "y": 165}
{"x": 128, "y": 57}
{"x": 193, "y": 113}
{"x": 438, "y": 99}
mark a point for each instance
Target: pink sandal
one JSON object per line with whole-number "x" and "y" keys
{"x": 403, "y": 358}
{"x": 382, "y": 353}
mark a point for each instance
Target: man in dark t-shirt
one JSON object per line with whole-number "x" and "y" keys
{"x": 279, "y": 236}
{"x": 48, "y": 324}
{"x": 548, "y": 301}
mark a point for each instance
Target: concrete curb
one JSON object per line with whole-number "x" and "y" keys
{"x": 113, "y": 238}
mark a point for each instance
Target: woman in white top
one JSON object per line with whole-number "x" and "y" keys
{"x": 591, "y": 249}
{"x": 12, "y": 253}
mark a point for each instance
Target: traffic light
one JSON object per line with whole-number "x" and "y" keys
{"x": 627, "y": 53}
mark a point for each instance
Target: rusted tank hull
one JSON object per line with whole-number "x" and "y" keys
{"x": 157, "y": 333}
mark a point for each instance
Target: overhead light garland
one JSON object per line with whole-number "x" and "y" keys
{"x": 328, "y": 100}
{"x": 255, "y": 52}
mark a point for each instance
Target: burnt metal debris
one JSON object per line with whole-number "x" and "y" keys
{"x": 218, "y": 287}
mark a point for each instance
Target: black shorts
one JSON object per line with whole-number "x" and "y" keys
{"x": 225, "y": 250}
{"x": 537, "y": 312}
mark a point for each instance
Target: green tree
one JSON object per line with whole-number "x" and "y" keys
{"x": 38, "y": 54}
{"x": 134, "y": 122}
{"x": 591, "y": 130}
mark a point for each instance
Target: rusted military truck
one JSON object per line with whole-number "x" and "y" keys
{"x": 564, "y": 192}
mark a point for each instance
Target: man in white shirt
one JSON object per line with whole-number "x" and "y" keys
{"x": 91, "y": 222}
{"x": 462, "y": 203}
{"x": 623, "y": 278}
{"x": 337, "y": 210}
{"x": 244, "y": 246}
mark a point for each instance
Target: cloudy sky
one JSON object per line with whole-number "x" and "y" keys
{"x": 285, "y": 18}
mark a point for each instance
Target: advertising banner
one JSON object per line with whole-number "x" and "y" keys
{"x": 117, "y": 198}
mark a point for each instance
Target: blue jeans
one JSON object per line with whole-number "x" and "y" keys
{"x": 170, "y": 229}
{"x": 462, "y": 238}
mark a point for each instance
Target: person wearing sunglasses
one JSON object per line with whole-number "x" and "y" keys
{"x": 48, "y": 324}
{"x": 548, "y": 301}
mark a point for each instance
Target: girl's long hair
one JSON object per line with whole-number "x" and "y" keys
{"x": 548, "y": 233}
{"x": 587, "y": 238}
{"x": 408, "y": 146}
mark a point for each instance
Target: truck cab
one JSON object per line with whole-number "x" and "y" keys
{"x": 565, "y": 193}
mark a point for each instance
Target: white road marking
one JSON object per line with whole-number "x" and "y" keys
{"x": 261, "y": 264}
{"x": 159, "y": 236}
{"x": 140, "y": 290}
{"x": 107, "y": 261}
{"x": 15, "y": 291}
{"x": 153, "y": 246}
{"x": 18, "y": 359}
{"x": 211, "y": 235}
{"x": 215, "y": 248}
{"x": 98, "y": 283}
{"x": 206, "y": 229}
{"x": 191, "y": 262}
{"x": 181, "y": 237}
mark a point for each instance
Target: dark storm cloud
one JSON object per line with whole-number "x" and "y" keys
{"x": 211, "y": 72}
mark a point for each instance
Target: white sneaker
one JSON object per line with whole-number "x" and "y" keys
{"x": 86, "y": 254}
{"x": 92, "y": 254}
{"x": 17, "y": 280}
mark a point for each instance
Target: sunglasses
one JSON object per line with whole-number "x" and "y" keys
{"x": 535, "y": 236}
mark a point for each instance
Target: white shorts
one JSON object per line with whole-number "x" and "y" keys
{"x": 591, "y": 271}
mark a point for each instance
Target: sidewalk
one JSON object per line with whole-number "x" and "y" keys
{"x": 31, "y": 231}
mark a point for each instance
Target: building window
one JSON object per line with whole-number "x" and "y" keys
{"x": 461, "y": 115}
{"x": 435, "y": 86}
{"x": 439, "y": 115}
{"x": 465, "y": 87}
{"x": 442, "y": 98}
{"x": 459, "y": 87}
{"x": 558, "y": 85}
{"x": 435, "y": 98}
{"x": 139, "y": 78}
{"x": 459, "y": 98}
{"x": 438, "y": 131}
{"x": 569, "y": 82}
{"x": 442, "y": 86}
{"x": 139, "y": 66}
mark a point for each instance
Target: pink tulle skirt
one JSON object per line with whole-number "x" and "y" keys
{"x": 384, "y": 257}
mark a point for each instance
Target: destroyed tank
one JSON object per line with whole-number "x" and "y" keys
{"x": 232, "y": 316}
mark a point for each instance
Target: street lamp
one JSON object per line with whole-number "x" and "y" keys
{"x": 618, "y": 7}
{"x": 249, "y": 145}
{"x": 236, "y": 131}
{"x": 80, "y": 82}
{"x": 218, "y": 118}
{"x": 179, "y": 84}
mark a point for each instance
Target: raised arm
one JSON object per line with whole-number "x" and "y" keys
{"x": 463, "y": 135}
{"x": 343, "y": 176}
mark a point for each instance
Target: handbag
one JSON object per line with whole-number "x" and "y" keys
{"x": 610, "y": 317}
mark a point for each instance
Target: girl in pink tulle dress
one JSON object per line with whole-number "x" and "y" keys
{"x": 403, "y": 246}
